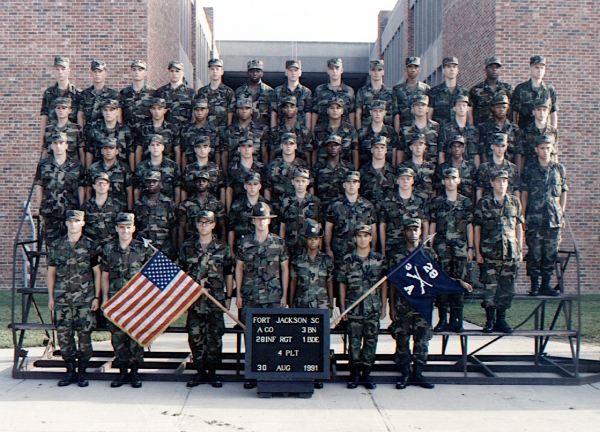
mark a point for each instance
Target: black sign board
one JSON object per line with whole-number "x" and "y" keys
{"x": 287, "y": 344}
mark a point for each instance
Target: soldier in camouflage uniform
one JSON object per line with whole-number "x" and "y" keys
{"x": 296, "y": 209}
{"x": 239, "y": 171}
{"x": 171, "y": 175}
{"x": 336, "y": 126}
{"x": 221, "y": 99}
{"x": 499, "y": 124}
{"x": 460, "y": 126}
{"x": 375, "y": 130}
{"x": 158, "y": 126}
{"x": 378, "y": 177}
{"x": 358, "y": 272}
{"x": 443, "y": 96}
{"x": 61, "y": 123}
{"x": 488, "y": 170}
{"x": 420, "y": 125}
{"x": 59, "y": 188}
{"x": 334, "y": 89}
{"x": 498, "y": 244}
{"x": 101, "y": 211}
{"x": 544, "y": 196}
{"x": 200, "y": 128}
{"x": 528, "y": 92}
{"x": 261, "y": 95}
{"x": 202, "y": 150}
{"x": 290, "y": 123}
{"x": 528, "y": 136}
{"x": 121, "y": 177}
{"x": 484, "y": 93}
{"x": 155, "y": 216}
{"x": 136, "y": 99}
{"x": 406, "y": 91}
{"x": 452, "y": 220}
{"x": 424, "y": 170}
{"x": 406, "y": 321}
{"x": 61, "y": 89}
{"x": 293, "y": 88}
{"x": 208, "y": 261}
{"x": 121, "y": 260}
{"x": 73, "y": 280}
{"x": 178, "y": 94}
{"x": 466, "y": 169}
{"x": 89, "y": 101}
{"x": 330, "y": 174}
{"x": 375, "y": 90}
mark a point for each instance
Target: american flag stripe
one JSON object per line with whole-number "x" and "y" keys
{"x": 130, "y": 290}
{"x": 148, "y": 300}
{"x": 133, "y": 301}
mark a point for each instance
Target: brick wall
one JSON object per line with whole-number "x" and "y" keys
{"x": 163, "y": 39}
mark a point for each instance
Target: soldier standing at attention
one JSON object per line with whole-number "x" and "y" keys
{"x": 135, "y": 99}
{"x": 89, "y": 101}
{"x": 419, "y": 124}
{"x": 443, "y": 96}
{"x": 158, "y": 126}
{"x": 370, "y": 133}
{"x": 451, "y": 219}
{"x": 73, "y": 281}
{"x": 544, "y": 197}
{"x": 178, "y": 95}
{"x": 534, "y": 89}
{"x": 487, "y": 170}
{"x": 334, "y": 89}
{"x": 499, "y": 123}
{"x": 336, "y": 125}
{"x": 466, "y": 169}
{"x": 330, "y": 174}
{"x": 459, "y": 125}
{"x": 375, "y": 90}
{"x": 200, "y": 128}
{"x": 293, "y": 88}
{"x": 75, "y": 140}
{"x": 483, "y": 93}
{"x": 406, "y": 321}
{"x": 238, "y": 172}
{"x": 221, "y": 99}
{"x": 261, "y": 95}
{"x": 208, "y": 261}
{"x": 528, "y": 137}
{"x": 498, "y": 244}
{"x": 289, "y": 123}
{"x": 121, "y": 260}
{"x": 202, "y": 149}
{"x": 406, "y": 91}
{"x": 358, "y": 272}
{"x": 378, "y": 177}
{"x": 424, "y": 170}
{"x": 61, "y": 89}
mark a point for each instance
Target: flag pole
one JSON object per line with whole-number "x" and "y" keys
{"x": 361, "y": 298}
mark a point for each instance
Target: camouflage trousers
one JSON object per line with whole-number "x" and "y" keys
{"x": 455, "y": 267}
{"x": 69, "y": 320}
{"x": 251, "y": 304}
{"x": 127, "y": 351}
{"x": 362, "y": 335}
{"x": 52, "y": 229}
{"x": 542, "y": 251}
{"x": 410, "y": 322}
{"x": 498, "y": 278}
{"x": 205, "y": 332}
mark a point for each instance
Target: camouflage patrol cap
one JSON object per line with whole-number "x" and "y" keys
{"x": 417, "y": 138}
{"x": 458, "y": 139}
{"x": 243, "y": 103}
{"x": 289, "y": 100}
{"x": 449, "y": 60}
{"x": 75, "y": 214}
{"x": 334, "y": 62}
{"x": 537, "y": 59}
{"x": 410, "y": 61}
{"x": 253, "y": 178}
{"x": 202, "y": 140}
{"x": 109, "y": 142}
{"x": 204, "y": 175}
{"x": 256, "y": 64}
{"x": 462, "y": 98}
{"x": 336, "y": 139}
{"x": 451, "y": 172}
{"x": 110, "y": 103}
{"x": 125, "y": 219}
{"x": 424, "y": 99}
{"x": 97, "y": 64}
{"x": 139, "y": 63}
{"x": 158, "y": 101}
{"x": 246, "y": 141}
{"x": 500, "y": 99}
{"x": 492, "y": 60}
{"x": 378, "y": 104}
{"x": 544, "y": 139}
{"x": 405, "y": 171}
{"x": 302, "y": 172}
{"x": 206, "y": 214}
{"x": 412, "y": 222}
{"x": 215, "y": 62}
{"x": 380, "y": 140}
{"x": 176, "y": 64}
{"x": 61, "y": 61}
{"x": 538, "y": 103}
{"x": 352, "y": 176}
{"x": 293, "y": 63}
{"x": 288, "y": 137}
{"x": 375, "y": 64}
{"x": 153, "y": 175}
{"x": 63, "y": 102}
{"x": 338, "y": 101}
{"x": 157, "y": 138}
{"x": 262, "y": 210}
{"x": 500, "y": 139}
{"x": 200, "y": 103}
{"x": 101, "y": 176}
{"x": 313, "y": 229}
{"x": 500, "y": 174}
{"x": 363, "y": 228}
{"x": 59, "y": 136}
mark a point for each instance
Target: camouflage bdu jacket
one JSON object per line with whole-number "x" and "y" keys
{"x": 394, "y": 211}
{"x": 239, "y": 216}
{"x": 544, "y": 187}
{"x": 74, "y": 284}
{"x": 189, "y": 210}
{"x": 294, "y": 214}
{"x": 170, "y": 175}
{"x": 329, "y": 180}
{"x": 90, "y": 102}
{"x": 234, "y": 133}
{"x": 481, "y": 97}
{"x": 312, "y": 275}
{"x": 375, "y": 185}
{"x": 119, "y": 174}
{"x": 404, "y": 96}
{"x": 53, "y": 92}
{"x": 100, "y": 221}
{"x": 451, "y": 219}
{"x": 366, "y": 136}
{"x": 75, "y": 139}
{"x": 304, "y": 139}
{"x": 136, "y": 105}
{"x": 155, "y": 220}
{"x": 262, "y": 278}
{"x": 468, "y": 175}
{"x": 469, "y": 132}
{"x": 262, "y": 101}
{"x": 303, "y": 97}
{"x": 324, "y": 93}
{"x": 279, "y": 175}
{"x": 169, "y": 131}
{"x": 209, "y": 267}
{"x": 486, "y": 135}
{"x": 179, "y": 102}
{"x": 487, "y": 170}
{"x": 527, "y": 139}
{"x": 498, "y": 222}
{"x": 122, "y": 265}
{"x": 346, "y": 132}
{"x": 359, "y": 275}
{"x": 365, "y": 97}
{"x": 189, "y": 134}
{"x": 236, "y": 176}
{"x": 442, "y": 101}
{"x": 98, "y": 132}
{"x": 345, "y": 217}
{"x": 524, "y": 96}
{"x": 221, "y": 102}
{"x": 424, "y": 177}
{"x": 431, "y": 132}
{"x": 214, "y": 171}
{"x": 60, "y": 183}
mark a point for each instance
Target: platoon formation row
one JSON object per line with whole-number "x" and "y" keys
{"x": 290, "y": 197}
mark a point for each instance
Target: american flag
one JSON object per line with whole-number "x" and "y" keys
{"x": 153, "y": 299}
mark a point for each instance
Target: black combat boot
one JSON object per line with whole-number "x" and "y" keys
{"x": 443, "y": 321}
{"x": 199, "y": 378}
{"x": 545, "y": 290}
{"x": 82, "y": 366}
{"x": 70, "y": 377}
{"x": 417, "y": 377}
{"x": 366, "y": 378}
{"x": 456, "y": 322}
{"x": 489, "y": 320}
{"x": 353, "y": 382}
{"x": 134, "y": 378}
{"x": 404, "y": 374}
{"x": 250, "y": 384}
{"x": 213, "y": 378}
{"x": 501, "y": 324}
{"x": 121, "y": 379}
{"x": 535, "y": 286}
